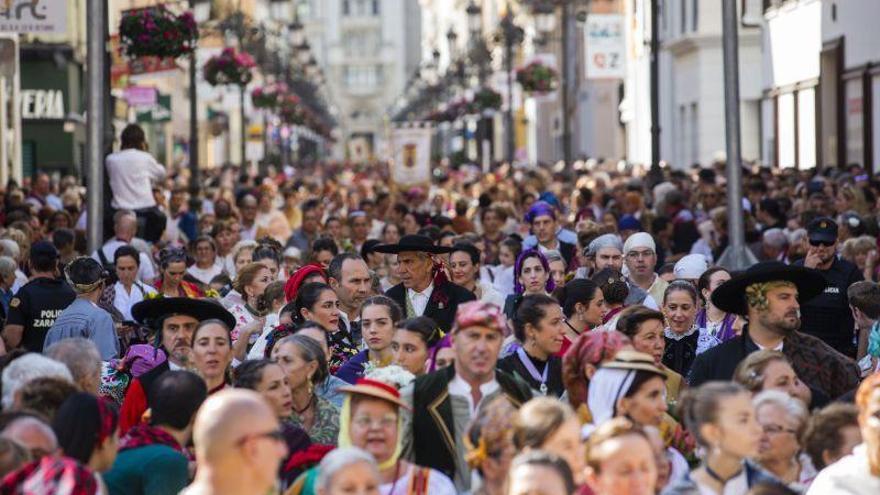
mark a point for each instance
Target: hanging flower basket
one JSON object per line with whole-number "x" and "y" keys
{"x": 157, "y": 32}
{"x": 230, "y": 67}
{"x": 486, "y": 99}
{"x": 537, "y": 78}
{"x": 269, "y": 96}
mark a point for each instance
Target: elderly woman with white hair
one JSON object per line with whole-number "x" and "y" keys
{"x": 26, "y": 368}
{"x": 8, "y": 267}
{"x": 784, "y": 420}
{"x": 240, "y": 256}
{"x": 348, "y": 470}
{"x": 10, "y": 248}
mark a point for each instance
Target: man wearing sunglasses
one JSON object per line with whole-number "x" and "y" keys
{"x": 238, "y": 443}
{"x": 828, "y": 316}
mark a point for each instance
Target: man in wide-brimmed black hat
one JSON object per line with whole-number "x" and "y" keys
{"x": 173, "y": 321}
{"x": 769, "y": 294}
{"x": 424, "y": 290}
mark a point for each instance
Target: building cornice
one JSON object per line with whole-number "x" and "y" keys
{"x": 683, "y": 45}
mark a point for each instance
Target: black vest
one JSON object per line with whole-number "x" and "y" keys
{"x": 433, "y": 423}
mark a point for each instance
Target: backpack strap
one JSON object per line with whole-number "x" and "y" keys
{"x": 101, "y": 256}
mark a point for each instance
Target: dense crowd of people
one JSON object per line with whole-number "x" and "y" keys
{"x": 544, "y": 330}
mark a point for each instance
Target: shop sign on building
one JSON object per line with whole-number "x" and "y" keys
{"x": 42, "y": 104}
{"x": 605, "y": 46}
{"x": 33, "y": 16}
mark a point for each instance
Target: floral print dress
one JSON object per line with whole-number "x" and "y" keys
{"x": 325, "y": 431}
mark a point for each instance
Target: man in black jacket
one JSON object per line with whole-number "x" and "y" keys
{"x": 444, "y": 402}
{"x": 424, "y": 290}
{"x": 768, "y": 294}
{"x": 827, "y": 316}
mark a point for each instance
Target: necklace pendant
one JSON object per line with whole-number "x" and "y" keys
{"x": 543, "y": 389}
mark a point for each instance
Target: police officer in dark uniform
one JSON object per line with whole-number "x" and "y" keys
{"x": 827, "y": 316}
{"x": 32, "y": 311}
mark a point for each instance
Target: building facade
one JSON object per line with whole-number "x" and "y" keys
{"x": 821, "y": 87}
{"x": 368, "y": 49}
{"x": 691, "y": 92}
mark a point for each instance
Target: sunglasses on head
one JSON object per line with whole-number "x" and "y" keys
{"x": 816, "y": 243}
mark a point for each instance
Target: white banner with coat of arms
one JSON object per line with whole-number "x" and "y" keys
{"x": 411, "y": 155}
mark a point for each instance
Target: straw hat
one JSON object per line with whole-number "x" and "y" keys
{"x": 376, "y": 389}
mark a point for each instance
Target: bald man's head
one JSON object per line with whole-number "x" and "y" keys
{"x": 226, "y": 419}
{"x": 32, "y": 434}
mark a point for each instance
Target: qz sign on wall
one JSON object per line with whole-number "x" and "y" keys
{"x": 33, "y": 16}
{"x": 605, "y": 46}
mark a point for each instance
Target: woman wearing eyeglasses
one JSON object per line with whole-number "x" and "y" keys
{"x": 371, "y": 420}
{"x": 172, "y": 266}
{"x": 783, "y": 420}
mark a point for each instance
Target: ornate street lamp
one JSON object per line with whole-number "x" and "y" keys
{"x": 545, "y": 18}
{"x": 302, "y": 52}
{"x": 297, "y": 33}
{"x": 512, "y": 35}
{"x": 201, "y": 10}
{"x": 474, "y": 17}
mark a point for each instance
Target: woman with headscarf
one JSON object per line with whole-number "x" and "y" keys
{"x": 306, "y": 274}
{"x": 632, "y": 386}
{"x": 581, "y": 362}
{"x": 87, "y": 428}
{"x": 371, "y": 419}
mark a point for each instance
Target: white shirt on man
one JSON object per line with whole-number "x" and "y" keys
{"x": 460, "y": 388}
{"x": 131, "y": 173}
{"x": 420, "y": 300}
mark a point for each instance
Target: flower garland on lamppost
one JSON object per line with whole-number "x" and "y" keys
{"x": 232, "y": 67}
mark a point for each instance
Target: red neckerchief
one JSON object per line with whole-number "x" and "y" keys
{"x": 143, "y": 435}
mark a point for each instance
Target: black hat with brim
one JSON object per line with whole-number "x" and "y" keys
{"x": 148, "y": 311}
{"x": 731, "y": 295}
{"x": 412, "y": 243}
